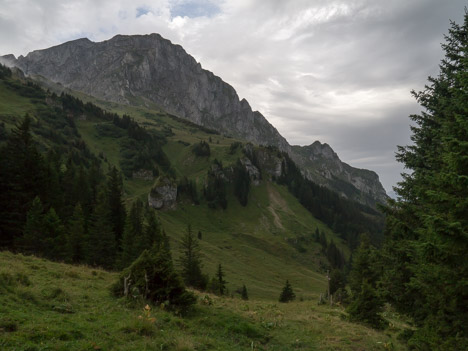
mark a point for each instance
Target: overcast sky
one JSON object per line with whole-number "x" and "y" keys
{"x": 336, "y": 71}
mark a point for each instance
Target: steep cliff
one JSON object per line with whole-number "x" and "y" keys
{"x": 321, "y": 164}
{"x": 145, "y": 69}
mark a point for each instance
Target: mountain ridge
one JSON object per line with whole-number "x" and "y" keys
{"x": 148, "y": 69}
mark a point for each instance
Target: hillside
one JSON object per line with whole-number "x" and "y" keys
{"x": 46, "y": 305}
{"x": 270, "y": 239}
{"x": 149, "y": 71}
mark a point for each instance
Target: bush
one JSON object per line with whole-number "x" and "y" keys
{"x": 152, "y": 277}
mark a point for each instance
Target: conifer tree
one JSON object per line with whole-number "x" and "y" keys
{"x": 244, "y": 294}
{"x": 152, "y": 230}
{"x": 101, "y": 248}
{"x": 221, "y": 282}
{"x": 427, "y": 275}
{"x": 53, "y": 236}
{"x": 116, "y": 204}
{"x": 191, "y": 261}
{"x": 132, "y": 241}
{"x": 76, "y": 241}
{"x": 152, "y": 276}
{"x": 22, "y": 178}
{"x": 241, "y": 183}
{"x": 31, "y": 241}
{"x": 287, "y": 294}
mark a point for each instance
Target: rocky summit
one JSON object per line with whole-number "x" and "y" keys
{"x": 151, "y": 71}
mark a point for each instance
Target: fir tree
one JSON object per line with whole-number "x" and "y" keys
{"x": 22, "y": 178}
{"x": 191, "y": 261}
{"x": 54, "y": 238}
{"x": 241, "y": 183}
{"x": 152, "y": 230}
{"x": 366, "y": 304}
{"x": 221, "y": 282}
{"x": 244, "y": 294}
{"x": 132, "y": 241}
{"x": 287, "y": 294}
{"x": 31, "y": 242}
{"x": 76, "y": 241}
{"x": 427, "y": 226}
{"x": 116, "y": 205}
{"x": 152, "y": 277}
{"x": 101, "y": 248}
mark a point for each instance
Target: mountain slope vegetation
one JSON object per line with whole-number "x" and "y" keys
{"x": 262, "y": 240}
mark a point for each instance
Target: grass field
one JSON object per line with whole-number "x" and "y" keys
{"x": 53, "y": 306}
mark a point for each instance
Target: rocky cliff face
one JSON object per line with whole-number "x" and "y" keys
{"x": 321, "y": 164}
{"x": 149, "y": 70}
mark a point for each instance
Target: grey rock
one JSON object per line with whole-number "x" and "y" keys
{"x": 163, "y": 195}
{"x": 254, "y": 173}
{"x": 143, "y": 174}
{"x": 322, "y": 165}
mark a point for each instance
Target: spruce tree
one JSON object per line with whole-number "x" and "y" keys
{"x": 287, "y": 294}
{"x": 191, "y": 261}
{"x": 366, "y": 303}
{"x": 152, "y": 230}
{"x": 101, "y": 245}
{"x": 53, "y": 236}
{"x": 152, "y": 276}
{"x": 244, "y": 294}
{"x": 241, "y": 183}
{"x": 22, "y": 178}
{"x": 116, "y": 204}
{"x": 76, "y": 240}
{"x": 221, "y": 282}
{"x": 31, "y": 242}
{"x": 132, "y": 241}
{"x": 427, "y": 275}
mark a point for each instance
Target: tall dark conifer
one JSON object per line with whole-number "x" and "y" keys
{"x": 132, "y": 241}
{"x": 76, "y": 236}
{"x": 115, "y": 201}
{"x": 287, "y": 294}
{"x": 101, "y": 245}
{"x": 221, "y": 281}
{"x": 22, "y": 178}
{"x": 190, "y": 261}
{"x": 427, "y": 227}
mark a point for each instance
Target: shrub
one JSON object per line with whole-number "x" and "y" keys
{"x": 152, "y": 277}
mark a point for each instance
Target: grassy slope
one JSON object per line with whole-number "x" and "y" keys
{"x": 53, "y": 306}
{"x": 250, "y": 242}
{"x": 69, "y": 307}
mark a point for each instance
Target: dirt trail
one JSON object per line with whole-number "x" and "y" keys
{"x": 276, "y": 202}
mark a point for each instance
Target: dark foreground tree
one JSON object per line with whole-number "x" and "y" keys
{"x": 152, "y": 277}
{"x": 287, "y": 294}
{"x": 427, "y": 227}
